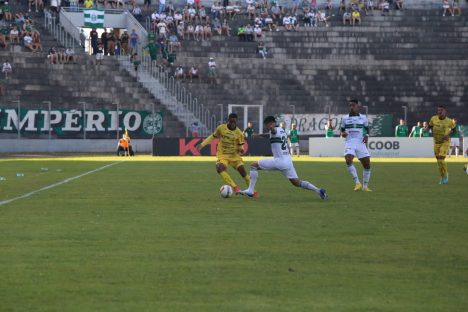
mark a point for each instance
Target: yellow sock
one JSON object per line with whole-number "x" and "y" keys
{"x": 444, "y": 166}
{"x": 441, "y": 167}
{"x": 227, "y": 178}
{"x": 247, "y": 179}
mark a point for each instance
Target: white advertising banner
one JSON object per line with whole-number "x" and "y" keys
{"x": 314, "y": 124}
{"x": 378, "y": 147}
{"x": 465, "y": 147}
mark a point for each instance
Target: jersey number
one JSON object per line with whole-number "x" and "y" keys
{"x": 284, "y": 145}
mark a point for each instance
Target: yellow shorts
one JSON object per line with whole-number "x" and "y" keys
{"x": 441, "y": 149}
{"x": 235, "y": 161}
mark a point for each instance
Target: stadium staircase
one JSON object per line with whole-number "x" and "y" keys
{"x": 414, "y": 58}
{"x": 35, "y": 80}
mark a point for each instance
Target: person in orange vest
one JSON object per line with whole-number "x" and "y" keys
{"x": 124, "y": 147}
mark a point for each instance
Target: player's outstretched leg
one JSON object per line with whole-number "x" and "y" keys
{"x": 253, "y": 181}
{"x": 353, "y": 172}
{"x": 366, "y": 173}
{"x": 221, "y": 169}
{"x": 309, "y": 186}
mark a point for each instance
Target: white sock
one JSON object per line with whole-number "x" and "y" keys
{"x": 456, "y": 151}
{"x": 365, "y": 177}
{"x": 309, "y": 186}
{"x": 253, "y": 179}
{"x": 297, "y": 151}
{"x": 353, "y": 172}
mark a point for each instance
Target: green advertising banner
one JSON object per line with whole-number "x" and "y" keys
{"x": 74, "y": 123}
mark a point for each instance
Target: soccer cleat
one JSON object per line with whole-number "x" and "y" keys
{"x": 236, "y": 189}
{"x": 445, "y": 179}
{"x": 357, "y": 187}
{"x": 253, "y": 195}
{"x": 366, "y": 189}
{"x": 323, "y": 194}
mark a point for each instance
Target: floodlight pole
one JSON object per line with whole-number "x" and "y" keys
{"x": 366, "y": 108}
{"x": 405, "y": 111}
{"x": 49, "y": 105}
{"x": 84, "y": 119}
{"x": 18, "y": 117}
{"x": 221, "y": 113}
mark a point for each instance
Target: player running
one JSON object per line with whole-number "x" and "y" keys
{"x": 442, "y": 127}
{"x": 355, "y": 128}
{"x": 231, "y": 142}
{"x": 281, "y": 161}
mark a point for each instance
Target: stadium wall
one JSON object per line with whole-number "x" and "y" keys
{"x": 378, "y": 147}
{"x": 13, "y": 146}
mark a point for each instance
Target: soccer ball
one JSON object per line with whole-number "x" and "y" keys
{"x": 226, "y": 191}
{"x": 465, "y": 168}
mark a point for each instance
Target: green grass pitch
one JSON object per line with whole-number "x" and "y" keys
{"x": 148, "y": 235}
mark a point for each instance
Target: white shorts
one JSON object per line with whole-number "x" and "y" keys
{"x": 356, "y": 149}
{"x": 454, "y": 142}
{"x": 286, "y": 167}
{"x": 294, "y": 145}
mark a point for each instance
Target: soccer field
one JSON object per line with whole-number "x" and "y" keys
{"x": 146, "y": 234}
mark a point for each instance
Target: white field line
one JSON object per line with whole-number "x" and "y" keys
{"x": 56, "y": 184}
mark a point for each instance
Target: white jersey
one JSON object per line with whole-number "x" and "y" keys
{"x": 354, "y": 127}
{"x": 279, "y": 144}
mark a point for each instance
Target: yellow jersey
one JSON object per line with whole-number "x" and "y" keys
{"x": 441, "y": 128}
{"x": 230, "y": 141}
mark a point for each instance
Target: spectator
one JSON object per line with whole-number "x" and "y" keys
{"x": 416, "y": 131}
{"x": 70, "y": 55}
{"x": 133, "y": 40}
{"x": 287, "y": 22}
{"x": 162, "y": 6}
{"x": 276, "y": 12}
{"x": 225, "y": 29}
{"x": 195, "y": 129}
{"x": 347, "y": 18}
{"x": 270, "y": 23}
{"x": 7, "y": 69}
{"x": 173, "y": 43}
{"x": 207, "y": 32}
{"x": 293, "y": 21}
{"x": 7, "y": 12}
{"x": 179, "y": 73}
{"x": 53, "y": 56}
{"x": 94, "y": 40}
{"x": 162, "y": 29}
{"x": 104, "y": 41}
{"x": 36, "y": 41}
{"x": 88, "y": 4}
{"x": 370, "y": 7}
{"x": 3, "y": 40}
{"x": 241, "y": 33}
{"x": 399, "y": 4}
{"x": 385, "y": 7}
{"x": 190, "y": 31}
{"x": 147, "y": 4}
{"x": 257, "y": 32}
{"x": 323, "y": 18}
{"x": 212, "y": 70}
{"x": 447, "y": 7}
{"x": 198, "y": 33}
{"x": 55, "y": 6}
{"x": 193, "y": 73}
{"x": 202, "y": 15}
{"x": 356, "y": 17}
{"x": 111, "y": 43}
{"x": 249, "y": 131}
{"x": 14, "y": 35}
{"x": 401, "y": 131}
{"x": 261, "y": 49}
{"x": 82, "y": 39}
{"x": 249, "y": 36}
{"x": 170, "y": 7}
{"x": 342, "y": 6}
{"x": 456, "y": 7}
{"x": 217, "y": 27}
{"x": 99, "y": 54}
{"x": 137, "y": 13}
{"x": 124, "y": 38}
{"x": 135, "y": 59}
{"x": 27, "y": 39}
{"x": 178, "y": 18}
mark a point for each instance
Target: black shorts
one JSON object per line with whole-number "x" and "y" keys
{"x": 147, "y": 2}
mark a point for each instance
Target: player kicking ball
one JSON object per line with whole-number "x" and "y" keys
{"x": 355, "y": 128}
{"x": 281, "y": 161}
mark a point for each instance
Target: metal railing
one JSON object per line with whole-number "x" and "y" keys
{"x": 64, "y": 32}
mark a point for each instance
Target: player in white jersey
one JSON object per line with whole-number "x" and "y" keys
{"x": 281, "y": 161}
{"x": 355, "y": 128}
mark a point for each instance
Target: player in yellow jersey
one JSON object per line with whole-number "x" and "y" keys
{"x": 230, "y": 146}
{"x": 441, "y": 127}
